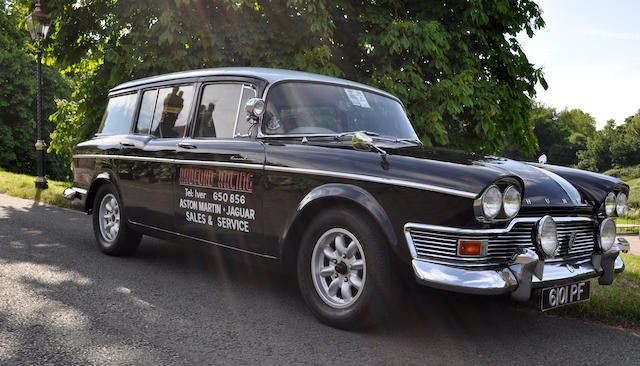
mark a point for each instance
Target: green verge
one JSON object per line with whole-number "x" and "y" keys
{"x": 617, "y": 304}
{"x": 23, "y": 186}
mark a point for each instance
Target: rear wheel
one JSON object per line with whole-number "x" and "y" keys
{"x": 112, "y": 234}
{"x": 344, "y": 270}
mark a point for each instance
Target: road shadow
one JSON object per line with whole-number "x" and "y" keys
{"x": 177, "y": 303}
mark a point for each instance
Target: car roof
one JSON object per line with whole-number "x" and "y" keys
{"x": 269, "y": 75}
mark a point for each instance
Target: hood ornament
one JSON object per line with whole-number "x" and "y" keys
{"x": 542, "y": 159}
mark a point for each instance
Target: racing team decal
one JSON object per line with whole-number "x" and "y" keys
{"x": 217, "y": 197}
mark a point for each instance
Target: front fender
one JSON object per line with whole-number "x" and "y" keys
{"x": 352, "y": 194}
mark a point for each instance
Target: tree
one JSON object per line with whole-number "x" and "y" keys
{"x": 18, "y": 98}
{"x": 597, "y": 154}
{"x": 561, "y": 135}
{"x": 456, "y": 65}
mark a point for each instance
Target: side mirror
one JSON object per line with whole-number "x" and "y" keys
{"x": 361, "y": 141}
{"x": 542, "y": 159}
{"x": 255, "y": 107}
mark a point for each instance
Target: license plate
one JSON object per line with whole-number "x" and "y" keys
{"x": 554, "y": 297}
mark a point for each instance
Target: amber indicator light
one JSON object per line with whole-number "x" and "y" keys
{"x": 470, "y": 247}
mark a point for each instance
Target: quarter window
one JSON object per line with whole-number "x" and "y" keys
{"x": 119, "y": 114}
{"x": 244, "y": 124}
{"x": 147, "y": 107}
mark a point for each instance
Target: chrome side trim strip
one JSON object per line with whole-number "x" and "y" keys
{"x": 170, "y": 161}
{"x": 369, "y": 178}
{"x": 360, "y": 177}
{"x": 205, "y": 241}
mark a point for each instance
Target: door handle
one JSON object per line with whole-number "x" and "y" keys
{"x": 238, "y": 158}
{"x": 186, "y": 145}
{"x": 127, "y": 144}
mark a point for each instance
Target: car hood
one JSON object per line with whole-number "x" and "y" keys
{"x": 544, "y": 185}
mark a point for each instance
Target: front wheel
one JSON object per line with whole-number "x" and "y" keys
{"x": 112, "y": 234}
{"x": 344, "y": 270}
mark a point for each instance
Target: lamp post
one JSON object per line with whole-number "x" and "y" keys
{"x": 38, "y": 23}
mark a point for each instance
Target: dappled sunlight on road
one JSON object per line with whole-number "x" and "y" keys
{"x": 62, "y": 301}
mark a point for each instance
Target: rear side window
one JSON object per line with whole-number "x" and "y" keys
{"x": 119, "y": 114}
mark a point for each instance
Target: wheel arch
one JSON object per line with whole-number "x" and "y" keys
{"x": 331, "y": 195}
{"x": 98, "y": 181}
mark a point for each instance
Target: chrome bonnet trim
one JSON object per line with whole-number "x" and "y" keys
{"x": 325, "y": 173}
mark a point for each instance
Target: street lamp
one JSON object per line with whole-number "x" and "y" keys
{"x": 38, "y": 23}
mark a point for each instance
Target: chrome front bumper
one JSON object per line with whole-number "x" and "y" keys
{"x": 527, "y": 272}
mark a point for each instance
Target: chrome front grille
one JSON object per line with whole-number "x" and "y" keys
{"x": 439, "y": 244}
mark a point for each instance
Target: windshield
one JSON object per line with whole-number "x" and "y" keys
{"x": 308, "y": 108}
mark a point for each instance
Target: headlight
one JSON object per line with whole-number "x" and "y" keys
{"x": 511, "y": 201}
{"x": 491, "y": 202}
{"x": 547, "y": 236}
{"x": 621, "y": 204}
{"x": 610, "y": 204}
{"x": 607, "y": 234}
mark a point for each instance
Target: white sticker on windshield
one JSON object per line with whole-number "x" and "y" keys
{"x": 356, "y": 97}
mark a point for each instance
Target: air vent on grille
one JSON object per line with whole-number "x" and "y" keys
{"x": 437, "y": 244}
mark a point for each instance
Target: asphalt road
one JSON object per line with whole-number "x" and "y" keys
{"x": 63, "y": 302}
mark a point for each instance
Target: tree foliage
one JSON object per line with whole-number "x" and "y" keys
{"x": 18, "y": 98}
{"x": 613, "y": 147}
{"x": 456, "y": 65}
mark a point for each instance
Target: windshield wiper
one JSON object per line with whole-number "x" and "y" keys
{"x": 415, "y": 141}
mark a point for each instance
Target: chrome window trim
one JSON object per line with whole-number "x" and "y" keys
{"x": 360, "y": 177}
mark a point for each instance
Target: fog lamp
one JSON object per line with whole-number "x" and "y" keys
{"x": 607, "y": 234}
{"x": 547, "y": 236}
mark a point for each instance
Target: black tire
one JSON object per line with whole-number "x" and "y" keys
{"x": 126, "y": 240}
{"x": 378, "y": 294}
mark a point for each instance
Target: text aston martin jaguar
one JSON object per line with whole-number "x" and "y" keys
{"x": 327, "y": 178}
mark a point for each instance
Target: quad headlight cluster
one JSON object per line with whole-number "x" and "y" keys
{"x": 615, "y": 204}
{"x": 498, "y": 204}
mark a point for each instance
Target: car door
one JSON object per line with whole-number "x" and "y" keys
{"x": 147, "y": 170}
{"x": 220, "y": 170}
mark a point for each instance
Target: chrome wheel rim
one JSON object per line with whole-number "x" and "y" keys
{"x": 338, "y": 268}
{"x": 109, "y": 217}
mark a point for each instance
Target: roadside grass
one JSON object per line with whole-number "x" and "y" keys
{"x": 617, "y": 304}
{"x": 23, "y": 186}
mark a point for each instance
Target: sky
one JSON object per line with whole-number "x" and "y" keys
{"x": 590, "y": 54}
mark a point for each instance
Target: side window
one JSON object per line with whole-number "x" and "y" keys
{"x": 147, "y": 107}
{"x": 172, "y": 111}
{"x": 244, "y": 124}
{"x": 119, "y": 114}
{"x": 218, "y": 110}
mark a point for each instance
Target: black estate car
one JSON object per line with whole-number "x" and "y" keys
{"x": 328, "y": 178}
